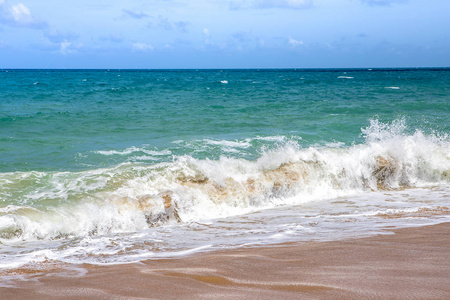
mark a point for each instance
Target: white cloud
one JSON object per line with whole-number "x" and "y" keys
{"x": 295, "y": 43}
{"x": 64, "y": 43}
{"x": 19, "y": 15}
{"x": 142, "y": 47}
{"x": 68, "y": 47}
{"x": 206, "y": 35}
{"x": 265, "y": 4}
{"x": 65, "y": 47}
{"x": 381, "y": 2}
{"x": 20, "y": 12}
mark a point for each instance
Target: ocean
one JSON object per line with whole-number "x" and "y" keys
{"x": 116, "y": 166}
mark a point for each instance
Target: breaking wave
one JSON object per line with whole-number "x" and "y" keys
{"x": 131, "y": 196}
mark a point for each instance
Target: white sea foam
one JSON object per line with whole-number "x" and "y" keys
{"x": 55, "y": 206}
{"x": 345, "y": 77}
{"x": 131, "y": 197}
{"x": 229, "y": 144}
{"x": 392, "y": 87}
{"x": 132, "y": 150}
{"x": 278, "y": 138}
{"x": 351, "y": 216}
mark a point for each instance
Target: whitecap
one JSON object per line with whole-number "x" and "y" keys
{"x": 226, "y": 143}
{"x": 277, "y": 138}
{"x": 133, "y": 149}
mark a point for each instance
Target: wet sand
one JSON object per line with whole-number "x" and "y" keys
{"x": 413, "y": 263}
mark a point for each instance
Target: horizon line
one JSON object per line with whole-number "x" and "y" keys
{"x": 212, "y": 69}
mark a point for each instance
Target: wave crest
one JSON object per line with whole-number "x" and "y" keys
{"x": 133, "y": 196}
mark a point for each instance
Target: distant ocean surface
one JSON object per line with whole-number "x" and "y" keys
{"x": 113, "y": 166}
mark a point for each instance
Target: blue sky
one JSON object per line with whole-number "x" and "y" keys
{"x": 224, "y": 34}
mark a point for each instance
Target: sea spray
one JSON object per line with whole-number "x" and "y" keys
{"x": 132, "y": 196}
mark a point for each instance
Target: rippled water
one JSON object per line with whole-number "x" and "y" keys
{"x": 108, "y": 166}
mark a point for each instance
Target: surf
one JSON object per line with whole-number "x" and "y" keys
{"x": 134, "y": 196}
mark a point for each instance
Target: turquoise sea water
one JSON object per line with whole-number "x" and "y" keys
{"x": 56, "y": 120}
{"x": 92, "y": 159}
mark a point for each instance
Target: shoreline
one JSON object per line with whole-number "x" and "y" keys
{"x": 412, "y": 263}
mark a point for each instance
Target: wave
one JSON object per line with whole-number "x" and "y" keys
{"x": 132, "y": 150}
{"x": 132, "y": 196}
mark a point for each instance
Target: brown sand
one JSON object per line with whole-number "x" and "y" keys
{"x": 413, "y": 263}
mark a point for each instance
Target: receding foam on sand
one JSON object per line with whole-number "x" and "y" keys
{"x": 412, "y": 263}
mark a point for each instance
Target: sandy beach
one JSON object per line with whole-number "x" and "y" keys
{"x": 413, "y": 263}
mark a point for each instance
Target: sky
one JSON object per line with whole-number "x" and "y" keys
{"x": 178, "y": 34}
